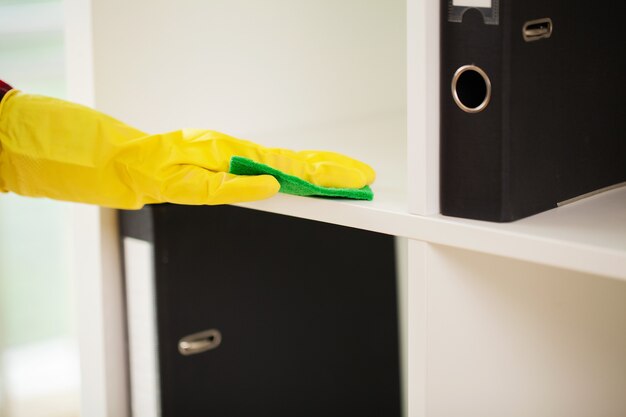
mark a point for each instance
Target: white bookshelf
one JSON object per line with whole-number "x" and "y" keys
{"x": 493, "y": 315}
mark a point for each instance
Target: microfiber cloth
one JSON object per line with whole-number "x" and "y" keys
{"x": 290, "y": 184}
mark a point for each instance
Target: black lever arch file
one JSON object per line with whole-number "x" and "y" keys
{"x": 533, "y": 104}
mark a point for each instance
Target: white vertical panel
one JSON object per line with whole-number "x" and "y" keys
{"x": 101, "y": 321}
{"x": 423, "y": 105}
{"x": 508, "y": 338}
{"x": 97, "y": 269}
{"x": 142, "y": 333}
{"x": 414, "y": 297}
{"x": 402, "y": 275}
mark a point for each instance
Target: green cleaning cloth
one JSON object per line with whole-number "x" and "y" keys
{"x": 290, "y": 184}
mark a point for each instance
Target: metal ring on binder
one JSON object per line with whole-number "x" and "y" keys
{"x": 455, "y": 93}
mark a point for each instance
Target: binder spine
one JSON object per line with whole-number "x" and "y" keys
{"x": 553, "y": 125}
{"x": 473, "y": 138}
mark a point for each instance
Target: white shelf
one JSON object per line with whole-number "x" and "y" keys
{"x": 361, "y": 78}
{"x": 587, "y": 236}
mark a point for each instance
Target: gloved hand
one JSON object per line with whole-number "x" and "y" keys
{"x": 56, "y": 149}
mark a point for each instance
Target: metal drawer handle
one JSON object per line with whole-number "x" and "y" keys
{"x": 199, "y": 342}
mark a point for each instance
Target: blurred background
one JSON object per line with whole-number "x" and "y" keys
{"x": 39, "y": 372}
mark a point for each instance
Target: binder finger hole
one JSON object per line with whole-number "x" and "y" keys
{"x": 471, "y": 89}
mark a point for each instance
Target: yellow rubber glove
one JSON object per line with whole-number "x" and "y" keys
{"x": 56, "y": 149}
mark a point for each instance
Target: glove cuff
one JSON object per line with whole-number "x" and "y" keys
{"x": 4, "y": 89}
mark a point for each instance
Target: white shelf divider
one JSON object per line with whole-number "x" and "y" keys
{"x": 422, "y": 56}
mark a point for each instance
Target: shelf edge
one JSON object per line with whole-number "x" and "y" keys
{"x": 558, "y": 253}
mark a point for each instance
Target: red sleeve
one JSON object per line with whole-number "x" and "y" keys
{"x": 4, "y": 88}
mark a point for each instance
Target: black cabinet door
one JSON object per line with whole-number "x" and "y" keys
{"x": 307, "y": 313}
